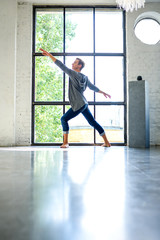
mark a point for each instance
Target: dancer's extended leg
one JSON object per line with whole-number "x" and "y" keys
{"x": 64, "y": 120}
{"x": 88, "y": 115}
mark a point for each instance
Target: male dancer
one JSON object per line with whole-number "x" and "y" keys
{"x": 78, "y": 83}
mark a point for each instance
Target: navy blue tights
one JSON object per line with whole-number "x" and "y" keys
{"x": 86, "y": 113}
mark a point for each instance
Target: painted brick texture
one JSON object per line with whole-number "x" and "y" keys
{"x": 144, "y": 60}
{"x": 24, "y": 74}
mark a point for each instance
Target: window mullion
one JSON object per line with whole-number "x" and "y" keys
{"x": 94, "y": 67}
{"x": 64, "y": 50}
{"x": 64, "y": 30}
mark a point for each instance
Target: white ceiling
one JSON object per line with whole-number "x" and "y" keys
{"x": 77, "y": 2}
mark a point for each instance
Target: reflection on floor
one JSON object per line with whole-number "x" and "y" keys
{"x": 80, "y": 193}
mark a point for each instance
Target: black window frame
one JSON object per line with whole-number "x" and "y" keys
{"x": 64, "y": 54}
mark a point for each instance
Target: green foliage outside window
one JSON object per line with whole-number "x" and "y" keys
{"x": 48, "y": 78}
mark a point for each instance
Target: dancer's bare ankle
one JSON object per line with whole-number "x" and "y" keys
{"x": 64, "y": 145}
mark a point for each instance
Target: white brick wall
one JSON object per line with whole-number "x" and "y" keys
{"x": 144, "y": 60}
{"x": 24, "y": 74}
{"x": 8, "y": 24}
{"x": 16, "y": 82}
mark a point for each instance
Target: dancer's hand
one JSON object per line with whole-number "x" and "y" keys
{"x": 45, "y": 53}
{"x": 106, "y": 95}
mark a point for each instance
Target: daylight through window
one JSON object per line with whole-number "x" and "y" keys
{"x": 97, "y": 36}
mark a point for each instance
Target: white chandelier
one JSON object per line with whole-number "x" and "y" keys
{"x": 130, "y": 5}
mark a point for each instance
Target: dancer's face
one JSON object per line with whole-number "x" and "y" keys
{"x": 76, "y": 66}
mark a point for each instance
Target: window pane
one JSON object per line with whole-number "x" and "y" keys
{"x": 48, "y": 80}
{"x": 49, "y": 30}
{"x": 111, "y": 118}
{"x": 87, "y": 70}
{"x": 79, "y": 30}
{"x": 109, "y": 78}
{"x": 109, "y": 31}
{"x": 47, "y": 124}
{"x": 80, "y": 130}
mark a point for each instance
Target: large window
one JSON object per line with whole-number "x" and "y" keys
{"x": 95, "y": 34}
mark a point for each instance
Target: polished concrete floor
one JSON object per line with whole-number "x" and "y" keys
{"x": 80, "y": 193}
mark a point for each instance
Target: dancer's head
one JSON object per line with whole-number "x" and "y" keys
{"x": 78, "y": 64}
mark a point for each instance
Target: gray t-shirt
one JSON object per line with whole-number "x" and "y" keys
{"x": 78, "y": 83}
